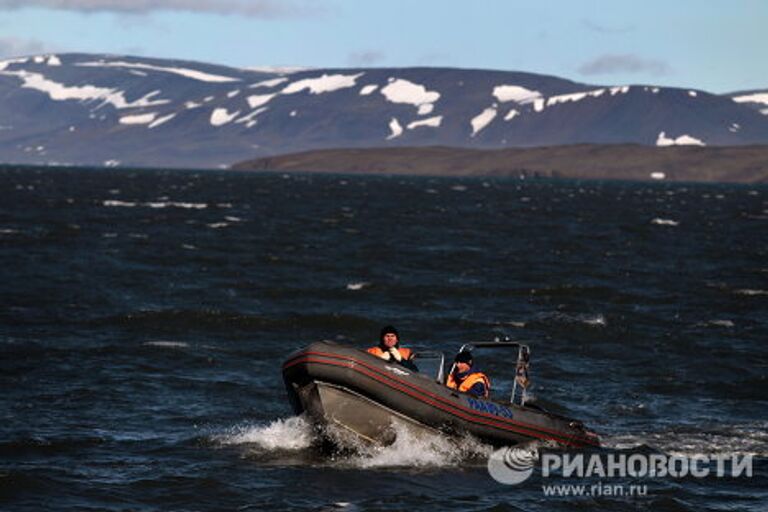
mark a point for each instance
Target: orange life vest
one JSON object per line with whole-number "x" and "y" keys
{"x": 405, "y": 353}
{"x": 469, "y": 381}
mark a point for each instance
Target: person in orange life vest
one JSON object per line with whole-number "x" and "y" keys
{"x": 463, "y": 378}
{"x": 389, "y": 348}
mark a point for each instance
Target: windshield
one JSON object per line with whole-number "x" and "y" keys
{"x": 430, "y": 364}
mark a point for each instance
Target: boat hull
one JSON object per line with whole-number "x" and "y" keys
{"x": 366, "y": 396}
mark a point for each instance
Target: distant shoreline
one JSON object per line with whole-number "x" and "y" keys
{"x": 730, "y": 164}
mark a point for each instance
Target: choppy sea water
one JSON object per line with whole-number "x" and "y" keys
{"x": 145, "y": 316}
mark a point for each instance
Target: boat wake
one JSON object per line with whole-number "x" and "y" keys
{"x": 295, "y": 437}
{"x": 290, "y": 434}
{"x": 422, "y": 451}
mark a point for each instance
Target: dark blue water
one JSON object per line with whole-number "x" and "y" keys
{"x": 145, "y": 316}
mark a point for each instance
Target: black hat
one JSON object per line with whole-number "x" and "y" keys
{"x": 465, "y": 356}
{"x": 388, "y": 329}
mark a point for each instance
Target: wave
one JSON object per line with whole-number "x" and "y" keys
{"x": 747, "y": 439}
{"x": 230, "y": 320}
{"x": 750, "y": 292}
{"x": 157, "y": 204}
{"x": 48, "y": 446}
{"x": 166, "y": 344}
{"x": 664, "y": 222}
{"x": 596, "y": 320}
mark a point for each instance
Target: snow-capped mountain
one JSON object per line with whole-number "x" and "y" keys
{"x": 110, "y": 110}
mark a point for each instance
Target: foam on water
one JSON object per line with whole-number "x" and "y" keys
{"x": 685, "y": 441}
{"x": 155, "y": 204}
{"x": 410, "y": 449}
{"x": 422, "y": 450}
{"x": 293, "y": 433}
{"x": 664, "y": 222}
{"x": 167, "y": 344}
{"x": 751, "y": 292}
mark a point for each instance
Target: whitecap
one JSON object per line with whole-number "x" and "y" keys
{"x": 113, "y": 202}
{"x": 357, "y": 285}
{"x": 217, "y": 225}
{"x": 167, "y": 344}
{"x": 664, "y": 222}
{"x": 721, "y": 323}
{"x": 751, "y": 292}
{"x": 175, "y": 204}
{"x": 597, "y": 320}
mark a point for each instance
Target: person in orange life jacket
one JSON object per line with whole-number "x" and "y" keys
{"x": 463, "y": 378}
{"x": 389, "y": 348}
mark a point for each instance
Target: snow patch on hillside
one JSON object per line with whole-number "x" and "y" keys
{"x": 511, "y": 115}
{"x": 483, "y": 119}
{"x": 759, "y": 97}
{"x": 220, "y": 116}
{"x": 426, "y": 108}
{"x": 395, "y": 128}
{"x": 433, "y": 122}
{"x": 683, "y": 140}
{"x": 138, "y": 118}
{"x": 322, "y": 84}
{"x": 259, "y": 100}
{"x": 280, "y": 70}
{"x": 574, "y": 97}
{"x": 250, "y": 119}
{"x": 160, "y": 120}
{"x": 268, "y": 83}
{"x": 368, "y": 89}
{"x": 516, "y": 93}
{"x": 187, "y": 73}
{"x": 7, "y": 62}
{"x": 61, "y": 92}
{"x": 399, "y": 90}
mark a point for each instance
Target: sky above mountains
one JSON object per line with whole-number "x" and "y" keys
{"x": 715, "y": 46}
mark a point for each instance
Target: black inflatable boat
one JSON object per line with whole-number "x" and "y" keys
{"x": 346, "y": 387}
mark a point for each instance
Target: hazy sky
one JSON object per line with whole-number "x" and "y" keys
{"x": 715, "y": 45}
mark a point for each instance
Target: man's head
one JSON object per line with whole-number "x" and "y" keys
{"x": 463, "y": 361}
{"x": 389, "y": 337}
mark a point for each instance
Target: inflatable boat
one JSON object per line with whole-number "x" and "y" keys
{"x": 359, "y": 394}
